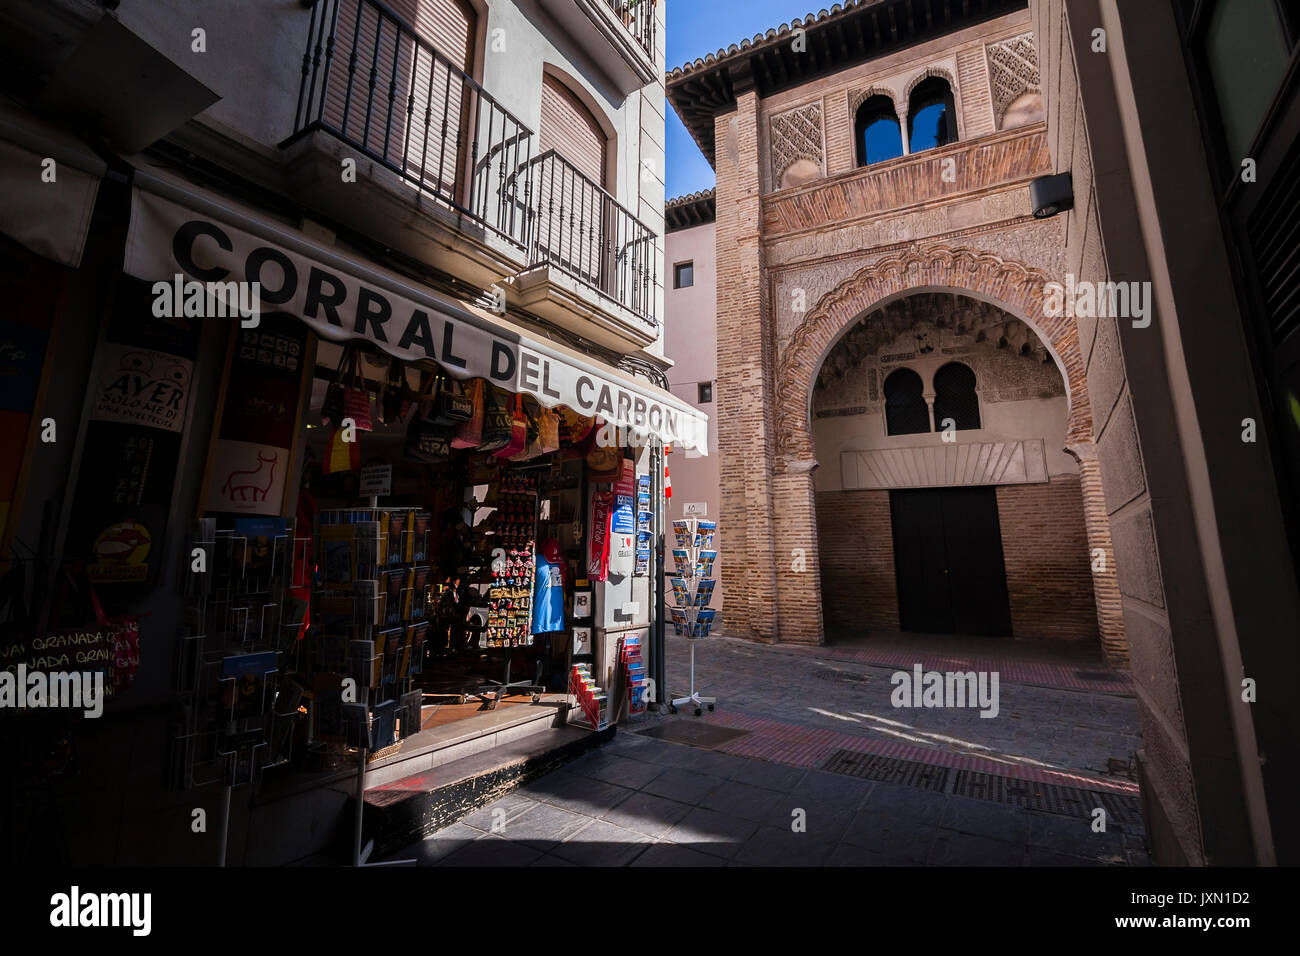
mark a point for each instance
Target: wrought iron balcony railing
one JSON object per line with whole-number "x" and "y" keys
{"x": 371, "y": 80}
{"x": 580, "y": 228}
{"x": 639, "y": 18}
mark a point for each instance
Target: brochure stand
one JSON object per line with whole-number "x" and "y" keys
{"x": 693, "y": 557}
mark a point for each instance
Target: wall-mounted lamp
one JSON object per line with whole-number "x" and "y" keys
{"x": 1049, "y": 195}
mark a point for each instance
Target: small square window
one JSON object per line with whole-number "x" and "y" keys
{"x": 684, "y": 275}
{"x": 705, "y": 393}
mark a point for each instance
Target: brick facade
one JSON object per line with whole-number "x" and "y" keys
{"x": 1045, "y": 550}
{"x": 799, "y": 266}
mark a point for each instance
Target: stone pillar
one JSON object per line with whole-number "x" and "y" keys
{"x": 744, "y": 410}
{"x": 1105, "y": 579}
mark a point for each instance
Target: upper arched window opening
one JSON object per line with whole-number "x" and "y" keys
{"x": 955, "y": 398}
{"x": 931, "y": 115}
{"x": 876, "y": 131}
{"x": 905, "y": 410}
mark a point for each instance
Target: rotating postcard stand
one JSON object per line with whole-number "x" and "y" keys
{"x": 693, "y": 557}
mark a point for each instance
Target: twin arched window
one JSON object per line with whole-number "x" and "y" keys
{"x": 906, "y": 412}
{"x": 931, "y": 122}
{"x": 931, "y": 115}
{"x": 876, "y": 131}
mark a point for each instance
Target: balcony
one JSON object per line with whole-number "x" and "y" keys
{"x": 448, "y": 175}
{"x": 619, "y": 34}
{"x": 589, "y": 257}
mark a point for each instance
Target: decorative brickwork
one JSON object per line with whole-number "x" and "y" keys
{"x": 796, "y": 134}
{"x": 1013, "y": 71}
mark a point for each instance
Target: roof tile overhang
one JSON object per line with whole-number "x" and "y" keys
{"x": 843, "y": 36}
{"x": 694, "y": 209}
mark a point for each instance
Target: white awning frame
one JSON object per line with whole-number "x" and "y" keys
{"x": 343, "y": 298}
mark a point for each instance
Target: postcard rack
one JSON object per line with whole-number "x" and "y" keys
{"x": 692, "y": 588}
{"x": 241, "y": 631}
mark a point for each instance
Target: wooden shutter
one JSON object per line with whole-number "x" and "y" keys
{"x": 569, "y": 128}
{"x": 571, "y": 229}
{"x": 418, "y": 83}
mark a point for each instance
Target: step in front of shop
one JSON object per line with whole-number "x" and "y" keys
{"x": 407, "y": 809}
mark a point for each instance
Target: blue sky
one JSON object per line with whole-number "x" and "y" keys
{"x": 698, "y": 27}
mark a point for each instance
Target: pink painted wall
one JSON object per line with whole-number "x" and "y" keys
{"x": 691, "y": 343}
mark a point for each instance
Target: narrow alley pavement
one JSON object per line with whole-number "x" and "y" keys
{"x": 806, "y": 761}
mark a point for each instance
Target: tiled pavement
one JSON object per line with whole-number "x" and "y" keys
{"x": 642, "y": 801}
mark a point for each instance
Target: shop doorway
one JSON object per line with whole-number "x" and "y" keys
{"x": 948, "y": 561}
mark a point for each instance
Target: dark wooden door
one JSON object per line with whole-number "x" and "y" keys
{"x": 948, "y": 561}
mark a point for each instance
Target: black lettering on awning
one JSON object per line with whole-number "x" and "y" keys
{"x": 373, "y": 310}
{"x": 183, "y": 248}
{"x": 317, "y": 299}
{"x": 253, "y": 273}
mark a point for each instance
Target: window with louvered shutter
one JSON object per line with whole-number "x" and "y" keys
{"x": 387, "y": 91}
{"x": 571, "y": 229}
{"x": 569, "y": 128}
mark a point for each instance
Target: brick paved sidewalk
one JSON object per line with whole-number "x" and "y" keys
{"x": 823, "y": 770}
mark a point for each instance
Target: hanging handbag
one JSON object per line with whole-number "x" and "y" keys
{"x": 450, "y": 407}
{"x": 340, "y": 455}
{"x": 548, "y": 430}
{"x": 498, "y": 419}
{"x": 533, "y": 436}
{"x": 428, "y": 442}
{"x": 356, "y": 397}
{"x": 469, "y": 433}
{"x": 108, "y": 645}
{"x": 518, "y": 430}
{"x": 331, "y": 410}
{"x": 395, "y": 401}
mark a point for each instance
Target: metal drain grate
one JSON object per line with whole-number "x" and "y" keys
{"x": 909, "y": 773}
{"x": 1046, "y": 797}
{"x": 1094, "y": 675}
{"x": 849, "y": 676}
{"x": 1029, "y": 794}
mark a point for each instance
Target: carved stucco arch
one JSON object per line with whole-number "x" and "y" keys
{"x": 1007, "y": 284}
{"x": 930, "y": 71}
{"x": 859, "y": 96}
{"x": 905, "y": 104}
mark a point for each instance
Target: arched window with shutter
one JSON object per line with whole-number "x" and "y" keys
{"x": 572, "y": 222}
{"x": 955, "y": 398}
{"x": 410, "y": 81}
{"x": 905, "y": 409}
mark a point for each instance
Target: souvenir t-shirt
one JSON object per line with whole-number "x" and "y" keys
{"x": 548, "y": 597}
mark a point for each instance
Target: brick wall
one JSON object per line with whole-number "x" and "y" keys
{"x": 1044, "y": 547}
{"x": 1045, "y": 550}
{"x": 859, "y": 590}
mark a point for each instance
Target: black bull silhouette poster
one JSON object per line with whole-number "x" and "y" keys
{"x": 141, "y": 384}
{"x": 250, "y": 460}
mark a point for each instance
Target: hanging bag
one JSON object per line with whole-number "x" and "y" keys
{"x": 109, "y": 645}
{"x": 450, "y": 407}
{"x": 396, "y": 401}
{"x": 498, "y": 419}
{"x": 469, "y": 433}
{"x": 518, "y": 429}
{"x": 331, "y": 410}
{"x": 356, "y": 397}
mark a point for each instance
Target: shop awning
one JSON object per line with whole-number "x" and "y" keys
{"x": 48, "y": 185}
{"x": 180, "y": 230}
